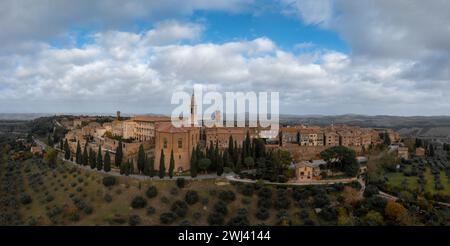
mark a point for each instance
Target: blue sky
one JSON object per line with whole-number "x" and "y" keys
{"x": 322, "y": 56}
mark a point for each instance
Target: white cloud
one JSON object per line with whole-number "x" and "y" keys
{"x": 124, "y": 70}
{"x": 314, "y": 12}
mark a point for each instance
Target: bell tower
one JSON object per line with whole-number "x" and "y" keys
{"x": 194, "y": 121}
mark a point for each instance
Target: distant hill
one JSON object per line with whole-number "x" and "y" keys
{"x": 27, "y": 116}
{"x": 412, "y": 126}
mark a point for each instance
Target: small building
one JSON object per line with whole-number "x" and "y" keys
{"x": 420, "y": 151}
{"x": 36, "y": 150}
{"x": 402, "y": 152}
{"x": 307, "y": 170}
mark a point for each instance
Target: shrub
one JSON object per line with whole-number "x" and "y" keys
{"x": 167, "y": 218}
{"x": 138, "y": 202}
{"x": 165, "y": 200}
{"x": 328, "y": 214}
{"x": 151, "y": 210}
{"x": 264, "y": 203}
{"x": 227, "y": 196}
{"x": 239, "y": 221}
{"x": 321, "y": 200}
{"x": 88, "y": 210}
{"x": 109, "y": 181}
{"x": 371, "y": 190}
{"x": 49, "y": 198}
{"x": 265, "y": 193}
{"x": 247, "y": 189}
{"x": 191, "y": 197}
{"x": 221, "y": 207}
{"x": 197, "y": 216}
{"x": 181, "y": 182}
{"x": 185, "y": 223}
{"x": 216, "y": 219}
{"x": 107, "y": 198}
{"x": 174, "y": 191}
{"x": 179, "y": 208}
{"x": 134, "y": 220}
{"x": 205, "y": 201}
{"x": 262, "y": 213}
{"x": 151, "y": 192}
{"x": 25, "y": 199}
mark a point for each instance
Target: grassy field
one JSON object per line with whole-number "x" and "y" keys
{"x": 396, "y": 179}
{"x": 56, "y": 196}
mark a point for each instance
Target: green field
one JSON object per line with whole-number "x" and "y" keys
{"x": 396, "y": 179}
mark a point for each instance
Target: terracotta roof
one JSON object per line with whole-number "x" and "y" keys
{"x": 167, "y": 127}
{"x": 151, "y": 118}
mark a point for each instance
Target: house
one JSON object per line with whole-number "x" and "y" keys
{"x": 420, "y": 151}
{"x": 36, "y": 150}
{"x": 308, "y": 170}
{"x": 402, "y": 152}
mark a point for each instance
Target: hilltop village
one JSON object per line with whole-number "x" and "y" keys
{"x": 157, "y": 137}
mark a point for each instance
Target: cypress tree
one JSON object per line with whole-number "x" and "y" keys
{"x": 152, "y": 166}
{"x": 247, "y": 145}
{"x": 193, "y": 163}
{"x": 230, "y": 145}
{"x": 107, "y": 166}
{"x": 85, "y": 156}
{"x": 141, "y": 159}
{"x": 162, "y": 166}
{"x": 66, "y": 150}
{"x": 219, "y": 165}
{"x": 172, "y": 164}
{"x": 92, "y": 159}
{"x": 146, "y": 170}
{"x": 50, "y": 140}
{"x": 131, "y": 167}
{"x": 119, "y": 155}
{"x": 61, "y": 144}
{"x": 99, "y": 158}
{"x": 78, "y": 155}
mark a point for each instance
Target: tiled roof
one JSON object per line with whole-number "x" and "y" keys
{"x": 167, "y": 127}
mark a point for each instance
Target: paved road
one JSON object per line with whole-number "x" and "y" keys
{"x": 315, "y": 182}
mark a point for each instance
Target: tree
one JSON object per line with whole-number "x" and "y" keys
{"x": 162, "y": 166}
{"x": 219, "y": 168}
{"x": 99, "y": 158}
{"x": 341, "y": 158}
{"x": 107, "y": 166}
{"x": 203, "y": 164}
{"x": 66, "y": 150}
{"x": 248, "y": 161}
{"x": 146, "y": 170}
{"x": 50, "y": 140}
{"x": 92, "y": 159}
{"x": 138, "y": 202}
{"x": 172, "y": 164}
{"x": 193, "y": 163}
{"x": 85, "y": 155}
{"x": 119, "y": 155}
{"x": 396, "y": 212}
{"x": 50, "y": 157}
{"x": 141, "y": 159}
{"x": 61, "y": 144}
{"x": 78, "y": 156}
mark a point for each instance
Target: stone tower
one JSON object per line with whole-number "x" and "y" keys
{"x": 193, "y": 110}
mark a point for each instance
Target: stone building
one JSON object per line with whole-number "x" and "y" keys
{"x": 179, "y": 139}
{"x": 145, "y": 126}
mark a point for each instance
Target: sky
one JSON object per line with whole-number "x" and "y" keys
{"x": 330, "y": 57}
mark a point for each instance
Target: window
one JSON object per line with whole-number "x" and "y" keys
{"x": 180, "y": 143}
{"x": 165, "y": 143}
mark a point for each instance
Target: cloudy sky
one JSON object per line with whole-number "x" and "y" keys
{"x": 323, "y": 56}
